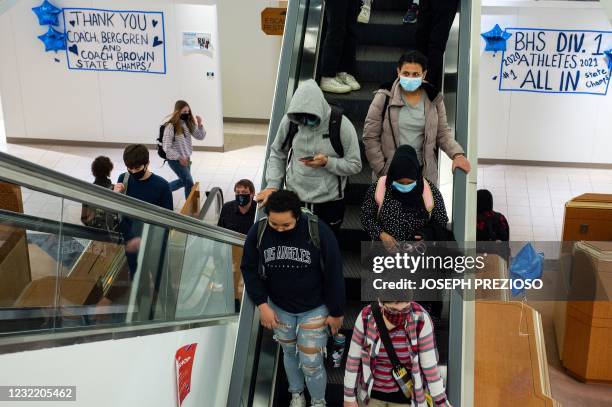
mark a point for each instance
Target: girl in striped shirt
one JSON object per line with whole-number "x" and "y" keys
{"x": 180, "y": 128}
{"x": 368, "y": 378}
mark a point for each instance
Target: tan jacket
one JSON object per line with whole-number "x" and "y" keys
{"x": 381, "y": 137}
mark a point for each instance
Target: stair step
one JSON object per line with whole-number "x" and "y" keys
{"x": 355, "y": 104}
{"x": 377, "y": 63}
{"x": 352, "y": 265}
{"x": 389, "y": 5}
{"x": 351, "y": 218}
{"x": 386, "y": 28}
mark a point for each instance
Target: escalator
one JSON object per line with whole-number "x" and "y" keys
{"x": 60, "y": 277}
{"x": 258, "y": 376}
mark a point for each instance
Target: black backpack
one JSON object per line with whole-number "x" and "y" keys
{"x": 335, "y": 123}
{"x": 160, "y": 141}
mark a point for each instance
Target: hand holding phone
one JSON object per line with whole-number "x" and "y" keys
{"x": 307, "y": 158}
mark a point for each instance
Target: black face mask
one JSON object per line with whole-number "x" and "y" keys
{"x": 185, "y": 116}
{"x": 243, "y": 199}
{"x": 140, "y": 174}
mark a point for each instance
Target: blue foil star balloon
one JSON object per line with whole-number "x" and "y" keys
{"x": 609, "y": 56}
{"x": 47, "y": 13}
{"x": 496, "y": 39}
{"x": 54, "y": 40}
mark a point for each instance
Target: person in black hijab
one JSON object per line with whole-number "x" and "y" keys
{"x": 490, "y": 225}
{"x": 407, "y": 204}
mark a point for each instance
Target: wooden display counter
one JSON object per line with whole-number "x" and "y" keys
{"x": 510, "y": 357}
{"x": 587, "y": 345}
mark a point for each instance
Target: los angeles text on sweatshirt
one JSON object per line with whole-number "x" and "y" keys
{"x": 294, "y": 279}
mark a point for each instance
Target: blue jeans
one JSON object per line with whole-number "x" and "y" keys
{"x": 303, "y": 366}
{"x": 184, "y": 177}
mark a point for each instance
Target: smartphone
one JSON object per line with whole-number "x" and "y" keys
{"x": 307, "y": 158}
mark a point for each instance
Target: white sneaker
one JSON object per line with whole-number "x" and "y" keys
{"x": 364, "y": 15}
{"x": 349, "y": 80}
{"x": 320, "y": 403}
{"x": 297, "y": 400}
{"x": 333, "y": 85}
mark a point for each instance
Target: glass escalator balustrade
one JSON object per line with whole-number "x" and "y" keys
{"x": 56, "y": 273}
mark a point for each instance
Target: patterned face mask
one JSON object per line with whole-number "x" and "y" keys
{"x": 397, "y": 318}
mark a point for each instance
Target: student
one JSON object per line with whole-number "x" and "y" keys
{"x": 412, "y": 113}
{"x": 490, "y": 225}
{"x": 101, "y": 169}
{"x": 433, "y": 28}
{"x": 180, "y": 128}
{"x": 298, "y": 287}
{"x": 238, "y": 215}
{"x": 368, "y": 378}
{"x": 338, "y": 55}
{"x": 409, "y": 18}
{"x": 314, "y": 169}
{"x": 144, "y": 185}
{"x": 398, "y": 206}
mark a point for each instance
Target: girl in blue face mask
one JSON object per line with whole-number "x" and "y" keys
{"x": 406, "y": 204}
{"x": 410, "y": 111}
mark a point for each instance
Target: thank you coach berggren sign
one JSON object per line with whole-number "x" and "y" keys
{"x": 115, "y": 40}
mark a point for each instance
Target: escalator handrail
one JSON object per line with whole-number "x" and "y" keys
{"x": 24, "y": 173}
{"x": 211, "y": 197}
{"x": 34, "y": 223}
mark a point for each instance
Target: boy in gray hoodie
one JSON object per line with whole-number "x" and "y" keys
{"x": 313, "y": 169}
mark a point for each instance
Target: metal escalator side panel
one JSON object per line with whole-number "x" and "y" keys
{"x": 247, "y": 351}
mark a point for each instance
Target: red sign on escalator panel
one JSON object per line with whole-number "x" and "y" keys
{"x": 184, "y": 364}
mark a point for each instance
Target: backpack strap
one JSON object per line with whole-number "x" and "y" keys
{"x": 126, "y": 181}
{"x": 335, "y": 124}
{"x": 262, "y": 224}
{"x": 384, "y": 336}
{"x": 428, "y": 199}
{"x": 288, "y": 144}
{"x": 313, "y": 229}
{"x": 384, "y": 110}
{"x": 293, "y": 129}
{"x": 379, "y": 194}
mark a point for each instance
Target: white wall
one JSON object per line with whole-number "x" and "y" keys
{"x": 129, "y": 372}
{"x": 249, "y": 59}
{"x": 538, "y": 126}
{"x": 42, "y": 99}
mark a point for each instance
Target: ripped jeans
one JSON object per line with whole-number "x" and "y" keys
{"x": 303, "y": 338}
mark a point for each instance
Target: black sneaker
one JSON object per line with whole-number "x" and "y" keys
{"x": 411, "y": 15}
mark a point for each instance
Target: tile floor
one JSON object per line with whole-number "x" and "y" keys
{"x": 533, "y": 198}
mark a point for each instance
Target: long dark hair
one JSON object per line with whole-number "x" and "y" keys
{"x": 175, "y": 118}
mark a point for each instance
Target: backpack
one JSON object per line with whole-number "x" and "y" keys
{"x": 379, "y": 194}
{"x": 100, "y": 218}
{"x": 335, "y": 123}
{"x": 313, "y": 232}
{"x": 160, "y": 141}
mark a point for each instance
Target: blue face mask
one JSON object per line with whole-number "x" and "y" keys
{"x": 402, "y": 187}
{"x": 410, "y": 84}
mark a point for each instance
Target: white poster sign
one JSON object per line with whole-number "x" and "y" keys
{"x": 115, "y": 40}
{"x": 556, "y": 61}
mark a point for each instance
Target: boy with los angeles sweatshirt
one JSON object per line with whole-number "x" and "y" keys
{"x": 296, "y": 282}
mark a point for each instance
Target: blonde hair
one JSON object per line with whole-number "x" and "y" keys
{"x": 175, "y": 118}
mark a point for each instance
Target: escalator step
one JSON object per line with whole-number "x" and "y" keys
{"x": 352, "y": 264}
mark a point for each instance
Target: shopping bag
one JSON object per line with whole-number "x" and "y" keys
{"x": 527, "y": 265}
